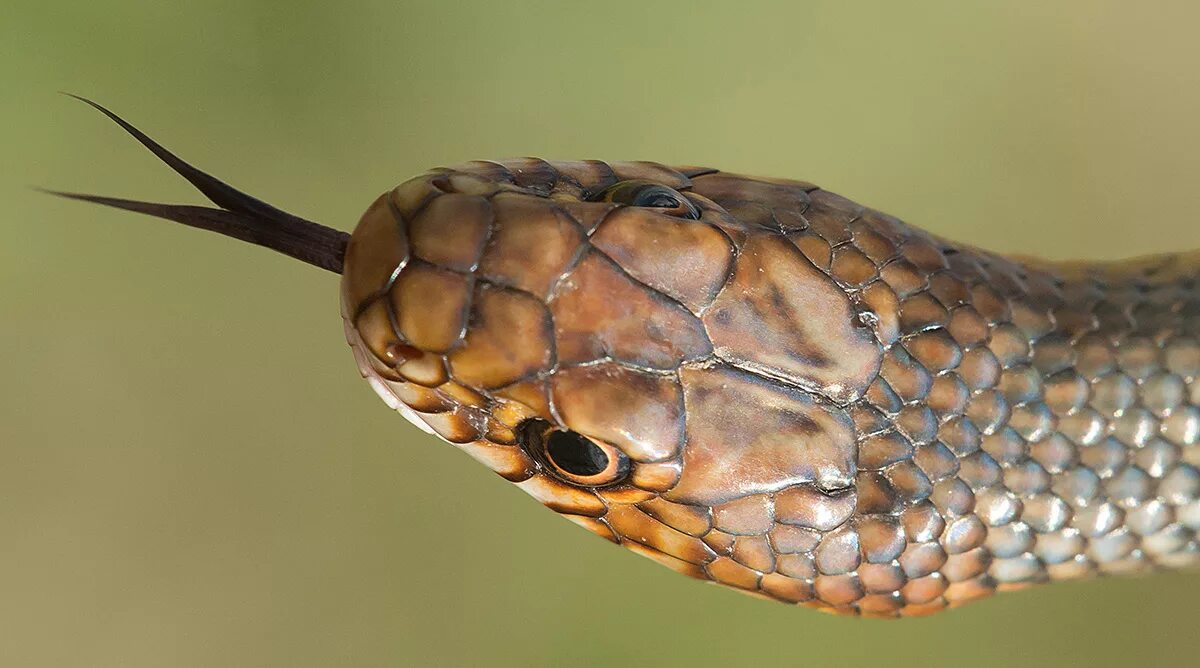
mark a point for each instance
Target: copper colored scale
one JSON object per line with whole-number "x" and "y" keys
{"x": 763, "y": 384}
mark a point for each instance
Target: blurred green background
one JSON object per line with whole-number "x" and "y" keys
{"x": 191, "y": 471}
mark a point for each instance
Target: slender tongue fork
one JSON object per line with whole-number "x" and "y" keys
{"x": 240, "y": 216}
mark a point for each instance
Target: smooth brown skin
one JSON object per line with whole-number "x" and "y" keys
{"x": 793, "y": 395}
{"x": 819, "y": 403}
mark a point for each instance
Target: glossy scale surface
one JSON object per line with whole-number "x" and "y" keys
{"x": 822, "y": 404}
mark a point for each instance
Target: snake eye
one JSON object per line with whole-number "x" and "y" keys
{"x": 650, "y": 195}
{"x": 572, "y": 456}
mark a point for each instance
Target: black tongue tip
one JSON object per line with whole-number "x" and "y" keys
{"x": 240, "y": 215}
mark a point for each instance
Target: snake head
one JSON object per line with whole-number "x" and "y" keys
{"x": 761, "y": 384}
{"x": 661, "y": 355}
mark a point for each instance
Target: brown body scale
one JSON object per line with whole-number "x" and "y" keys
{"x": 792, "y": 394}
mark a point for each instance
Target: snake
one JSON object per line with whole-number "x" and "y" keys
{"x": 758, "y": 383}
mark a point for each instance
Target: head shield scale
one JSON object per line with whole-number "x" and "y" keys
{"x": 702, "y": 355}
{"x": 752, "y": 381}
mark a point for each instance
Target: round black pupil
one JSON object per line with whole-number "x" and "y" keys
{"x": 656, "y": 197}
{"x": 575, "y": 454}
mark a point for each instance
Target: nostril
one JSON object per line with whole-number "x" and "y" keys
{"x": 575, "y": 454}
{"x": 399, "y": 353}
{"x": 571, "y": 456}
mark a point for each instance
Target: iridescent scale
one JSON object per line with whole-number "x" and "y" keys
{"x": 823, "y": 405}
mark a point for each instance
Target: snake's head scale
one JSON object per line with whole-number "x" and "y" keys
{"x": 615, "y": 341}
{"x": 665, "y": 356}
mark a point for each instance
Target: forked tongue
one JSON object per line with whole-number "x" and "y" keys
{"x": 240, "y": 216}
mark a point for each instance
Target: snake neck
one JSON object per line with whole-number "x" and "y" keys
{"x": 1053, "y": 414}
